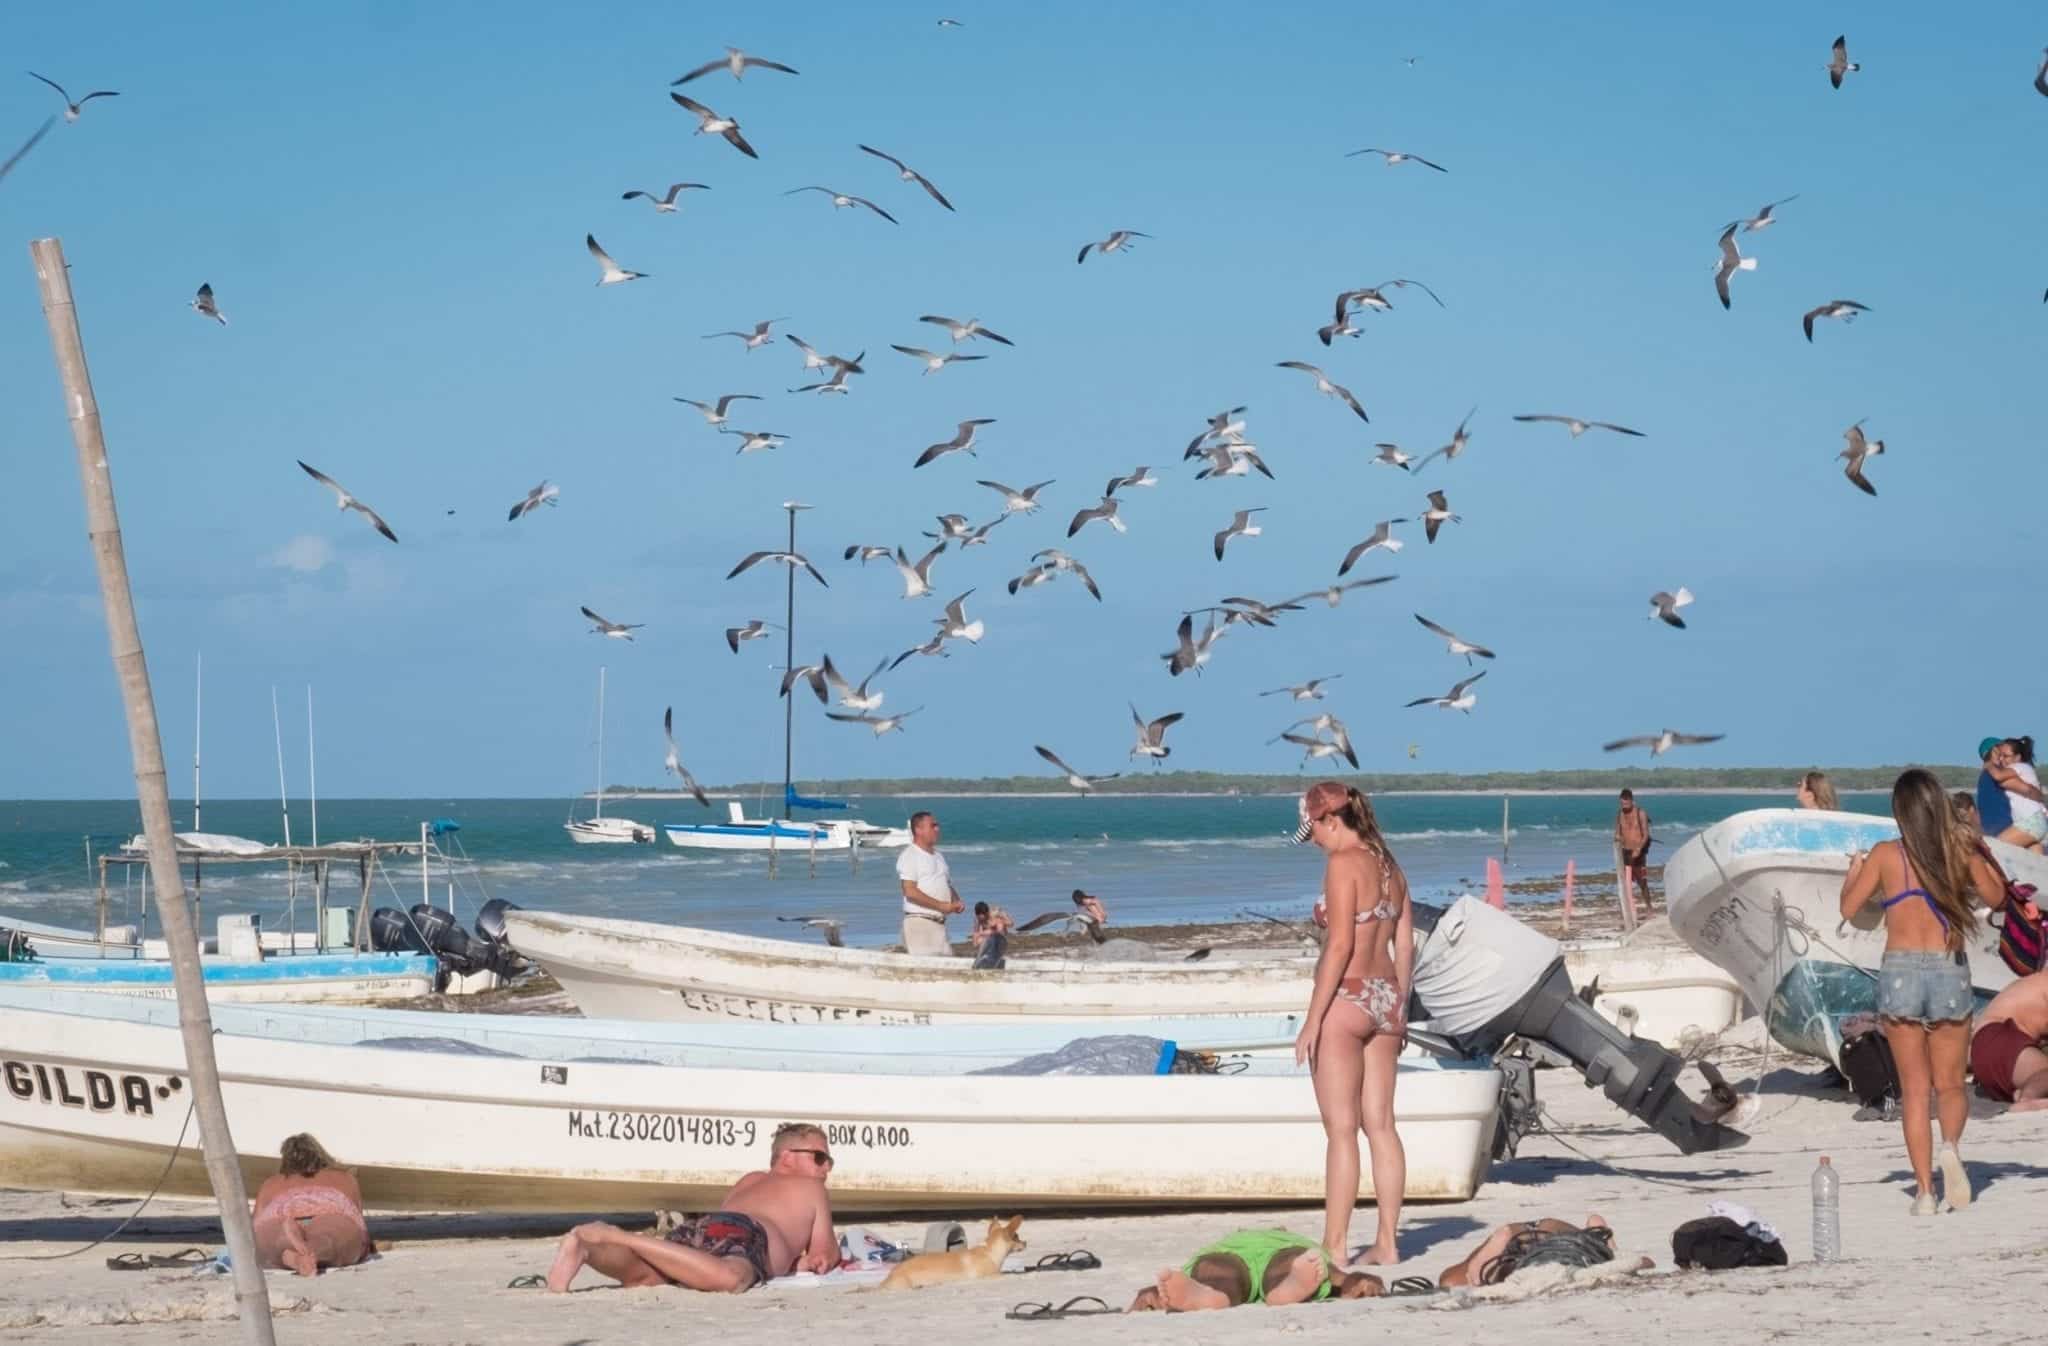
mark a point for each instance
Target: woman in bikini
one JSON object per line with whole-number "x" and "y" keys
{"x": 310, "y": 1214}
{"x": 1357, "y": 1014}
{"x": 1923, "y": 882}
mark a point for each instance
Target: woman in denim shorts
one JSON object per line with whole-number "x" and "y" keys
{"x": 1924, "y": 881}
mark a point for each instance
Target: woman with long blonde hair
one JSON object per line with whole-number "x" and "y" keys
{"x": 1816, "y": 791}
{"x": 1924, "y": 881}
{"x": 1357, "y": 1014}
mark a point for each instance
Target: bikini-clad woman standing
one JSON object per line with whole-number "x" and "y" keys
{"x": 1357, "y": 1015}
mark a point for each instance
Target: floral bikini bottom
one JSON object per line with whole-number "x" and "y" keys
{"x": 1374, "y": 997}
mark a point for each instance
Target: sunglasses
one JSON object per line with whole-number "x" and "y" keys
{"x": 823, "y": 1159}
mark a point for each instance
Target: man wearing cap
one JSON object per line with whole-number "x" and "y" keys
{"x": 1994, "y": 810}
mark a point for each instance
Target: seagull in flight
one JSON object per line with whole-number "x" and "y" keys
{"x": 1374, "y": 297}
{"x": 1458, "y": 698}
{"x": 835, "y": 931}
{"x": 715, "y": 412}
{"x": 2041, "y": 76}
{"x": 71, "y": 109}
{"x": 754, "y": 440}
{"x": 1152, "y": 735}
{"x": 868, "y": 553}
{"x": 788, "y": 558}
{"x": 881, "y": 724}
{"x": 1763, "y": 219}
{"x": 835, "y": 384}
{"x": 672, "y": 759}
{"x": 343, "y": 500}
{"x": 666, "y": 205}
{"x": 933, "y": 362}
{"x": 711, "y": 122}
{"x": 935, "y": 646}
{"x": 814, "y": 674}
{"x": 1664, "y": 606}
{"x": 812, "y": 360}
{"x": 1074, "y": 778}
{"x": 1018, "y": 502}
{"x": 736, "y": 61}
{"x": 1333, "y": 594}
{"x": 1327, "y": 388}
{"x": 1190, "y": 651}
{"x": 1659, "y": 744}
{"x": 978, "y": 536}
{"x": 1224, "y": 425}
{"x": 611, "y": 272}
{"x": 1341, "y": 326}
{"x": 755, "y": 629}
{"x": 1845, "y": 309}
{"x": 1241, "y": 525}
{"x": 1731, "y": 262}
{"x": 1233, "y": 459}
{"x": 1579, "y": 427}
{"x": 1435, "y": 516}
{"x": 1339, "y": 741}
{"x": 1033, "y": 577}
{"x": 1393, "y": 455}
{"x": 1457, "y": 645}
{"x": 963, "y": 331}
{"x": 1312, "y": 690}
{"x": 1059, "y": 560}
{"x": 1118, "y": 240}
{"x": 955, "y": 626}
{"x": 853, "y": 696}
{"x": 1394, "y": 157}
{"x": 844, "y": 199}
{"x": 1140, "y": 476}
{"x": 951, "y": 526}
{"x": 755, "y": 339}
{"x": 610, "y": 630}
{"x": 1450, "y": 451}
{"x": 909, "y": 174}
{"x": 203, "y": 305}
{"x": 962, "y": 441}
{"x": 1858, "y": 450}
{"x": 1839, "y": 63}
{"x": 544, "y": 494}
{"x": 917, "y": 579}
{"x": 1382, "y": 537}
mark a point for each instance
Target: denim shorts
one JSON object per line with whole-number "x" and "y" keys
{"x": 1924, "y": 987}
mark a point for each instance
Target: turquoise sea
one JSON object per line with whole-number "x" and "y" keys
{"x": 1152, "y": 859}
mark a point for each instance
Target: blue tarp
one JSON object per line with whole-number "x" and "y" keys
{"x": 441, "y": 827}
{"x": 796, "y": 801}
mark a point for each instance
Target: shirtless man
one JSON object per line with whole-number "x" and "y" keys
{"x": 1632, "y": 834}
{"x": 1472, "y": 1271}
{"x": 1255, "y": 1266}
{"x": 2005, "y": 1050}
{"x": 770, "y": 1224}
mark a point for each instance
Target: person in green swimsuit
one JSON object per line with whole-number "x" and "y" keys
{"x": 1254, "y": 1266}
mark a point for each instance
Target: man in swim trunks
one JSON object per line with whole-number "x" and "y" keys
{"x": 1254, "y": 1266}
{"x": 2005, "y": 1051}
{"x": 1501, "y": 1252}
{"x": 1632, "y": 834}
{"x": 770, "y": 1224}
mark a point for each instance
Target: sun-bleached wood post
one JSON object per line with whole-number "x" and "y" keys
{"x": 152, "y": 789}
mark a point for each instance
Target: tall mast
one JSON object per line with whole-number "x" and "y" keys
{"x": 600, "y": 743}
{"x": 788, "y": 654}
{"x": 198, "y": 704}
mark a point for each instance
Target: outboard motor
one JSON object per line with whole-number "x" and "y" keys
{"x": 447, "y": 940}
{"x": 1481, "y": 976}
{"x": 496, "y": 946}
{"x": 391, "y": 931}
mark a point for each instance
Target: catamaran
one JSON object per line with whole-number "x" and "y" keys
{"x": 598, "y": 829}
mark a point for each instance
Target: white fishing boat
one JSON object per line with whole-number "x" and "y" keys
{"x": 1759, "y": 895}
{"x": 598, "y": 830}
{"x": 287, "y": 979}
{"x": 93, "y": 1099}
{"x": 677, "y": 974}
{"x": 741, "y": 833}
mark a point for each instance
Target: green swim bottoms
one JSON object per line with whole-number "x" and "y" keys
{"x": 1257, "y": 1248}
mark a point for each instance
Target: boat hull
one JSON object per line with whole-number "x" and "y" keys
{"x": 1759, "y": 894}
{"x": 780, "y": 836}
{"x": 96, "y": 1103}
{"x": 345, "y": 979}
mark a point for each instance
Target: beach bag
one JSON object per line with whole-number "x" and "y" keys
{"x": 1873, "y": 1075}
{"x": 2021, "y": 942}
{"x": 1717, "y": 1243}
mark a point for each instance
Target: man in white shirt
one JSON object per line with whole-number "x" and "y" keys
{"x": 928, "y": 893}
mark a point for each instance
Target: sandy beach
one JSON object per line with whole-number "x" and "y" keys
{"x": 443, "y": 1279}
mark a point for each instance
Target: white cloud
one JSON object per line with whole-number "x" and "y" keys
{"x": 308, "y": 553}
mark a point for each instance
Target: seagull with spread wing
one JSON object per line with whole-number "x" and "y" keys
{"x": 610, "y": 630}
{"x": 1152, "y": 735}
{"x": 788, "y": 558}
{"x": 672, "y": 760}
{"x": 72, "y": 109}
{"x": 1659, "y": 744}
{"x": 840, "y": 200}
{"x": 1326, "y": 387}
{"x": 909, "y": 174}
{"x": 709, "y": 122}
{"x": 736, "y": 61}
{"x": 1456, "y": 644}
{"x": 547, "y": 493}
{"x": 1074, "y": 778}
{"x": 1458, "y": 698}
{"x": 609, "y": 272}
{"x": 665, "y": 205}
{"x": 343, "y": 500}
{"x": 1579, "y": 427}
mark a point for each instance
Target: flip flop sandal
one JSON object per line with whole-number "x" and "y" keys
{"x": 528, "y": 1282}
{"x": 1078, "y": 1260}
{"x": 1031, "y": 1312}
{"x": 189, "y": 1257}
{"x": 1412, "y": 1285}
{"x": 127, "y": 1262}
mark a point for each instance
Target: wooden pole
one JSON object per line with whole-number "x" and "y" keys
{"x": 145, "y": 745}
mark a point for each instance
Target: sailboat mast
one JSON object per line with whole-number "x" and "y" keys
{"x": 600, "y": 743}
{"x": 788, "y": 659}
{"x": 198, "y": 705}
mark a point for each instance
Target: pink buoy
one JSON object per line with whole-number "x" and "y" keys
{"x": 1494, "y": 896}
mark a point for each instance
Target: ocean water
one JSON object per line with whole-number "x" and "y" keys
{"x": 1151, "y": 859}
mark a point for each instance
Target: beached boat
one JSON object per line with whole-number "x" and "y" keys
{"x": 290, "y": 979}
{"x": 1759, "y": 895}
{"x": 638, "y": 970}
{"x": 93, "y": 1099}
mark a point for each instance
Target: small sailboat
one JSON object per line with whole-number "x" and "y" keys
{"x": 598, "y": 829}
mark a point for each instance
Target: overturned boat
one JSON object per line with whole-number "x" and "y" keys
{"x": 1760, "y": 895}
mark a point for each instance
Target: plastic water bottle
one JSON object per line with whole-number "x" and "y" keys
{"x": 1827, "y": 1213}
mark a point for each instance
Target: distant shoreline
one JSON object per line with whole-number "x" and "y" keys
{"x": 1511, "y": 793}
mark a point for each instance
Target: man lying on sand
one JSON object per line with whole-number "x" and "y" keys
{"x": 1538, "y": 1242}
{"x": 1255, "y": 1266}
{"x": 768, "y": 1225}
{"x": 2005, "y": 1050}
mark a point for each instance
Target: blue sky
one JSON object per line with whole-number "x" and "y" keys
{"x": 390, "y": 203}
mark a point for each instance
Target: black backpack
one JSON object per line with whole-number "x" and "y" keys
{"x": 1717, "y": 1243}
{"x": 1867, "y": 1062}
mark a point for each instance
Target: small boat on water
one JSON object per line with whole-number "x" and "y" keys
{"x": 598, "y": 830}
{"x": 741, "y": 833}
{"x": 1759, "y": 895}
{"x": 500, "y": 1114}
{"x": 678, "y": 974}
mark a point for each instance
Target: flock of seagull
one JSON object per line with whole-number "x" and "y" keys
{"x": 1222, "y": 448}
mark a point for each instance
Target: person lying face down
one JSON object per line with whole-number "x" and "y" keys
{"x": 1544, "y": 1242}
{"x": 1255, "y": 1266}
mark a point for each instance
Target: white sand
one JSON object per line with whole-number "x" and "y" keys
{"x": 442, "y": 1280}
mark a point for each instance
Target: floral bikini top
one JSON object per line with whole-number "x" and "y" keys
{"x": 1385, "y": 909}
